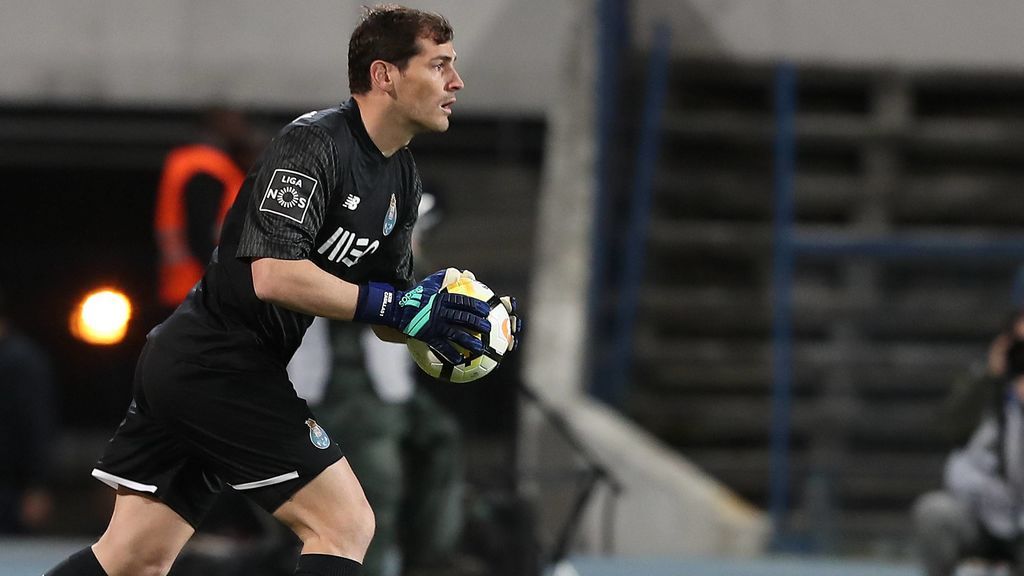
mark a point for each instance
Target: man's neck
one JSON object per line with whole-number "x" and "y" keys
{"x": 388, "y": 135}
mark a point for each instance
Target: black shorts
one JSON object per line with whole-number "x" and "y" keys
{"x": 201, "y": 422}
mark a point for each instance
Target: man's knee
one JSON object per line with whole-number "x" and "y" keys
{"x": 342, "y": 531}
{"x": 937, "y": 509}
{"x": 352, "y": 528}
{"x": 124, "y": 556}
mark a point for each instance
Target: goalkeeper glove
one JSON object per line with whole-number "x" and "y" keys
{"x": 427, "y": 315}
{"x": 511, "y": 306}
{"x": 514, "y": 321}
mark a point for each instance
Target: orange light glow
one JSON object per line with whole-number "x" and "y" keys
{"x": 102, "y": 317}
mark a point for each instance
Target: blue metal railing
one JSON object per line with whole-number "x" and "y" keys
{"x": 612, "y": 38}
{"x": 782, "y": 279}
{"x": 789, "y": 245}
{"x": 635, "y": 254}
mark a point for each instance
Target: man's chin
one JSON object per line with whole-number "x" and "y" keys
{"x": 440, "y": 125}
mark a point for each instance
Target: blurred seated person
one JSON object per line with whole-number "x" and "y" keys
{"x": 27, "y": 431}
{"x": 975, "y": 522}
{"x": 403, "y": 445}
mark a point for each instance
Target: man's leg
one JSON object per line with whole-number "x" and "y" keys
{"x": 143, "y": 539}
{"x": 334, "y": 521}
{"x": 943, "y": 530}
{"x": 435, "y": 515}
{"x": 378, "y": 461}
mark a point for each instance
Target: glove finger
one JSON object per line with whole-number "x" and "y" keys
{"x": 515, "y": 322}
{"x": 435, "y": 277}
{"x": 467, "y": 303}
{"x": 468, "y": 274}
{"x": 469, "y": 342}
{"x": 446, "y": 351}
{"x": 451, "y": 275}
{"x": 436, "y": 281}
{"x": 467, "y": 320}
{"x": 510, "y": 303}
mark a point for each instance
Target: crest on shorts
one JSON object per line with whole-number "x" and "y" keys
{"x": 317, "y": 435}
{"x": 392, "y": 216}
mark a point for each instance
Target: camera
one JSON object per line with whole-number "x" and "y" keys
{"x": 1015, "y": 358}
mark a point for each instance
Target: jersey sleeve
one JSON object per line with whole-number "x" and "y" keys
{"x": 291, "y": 191}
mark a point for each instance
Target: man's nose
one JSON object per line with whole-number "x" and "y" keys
{"x": 456, "y": 83}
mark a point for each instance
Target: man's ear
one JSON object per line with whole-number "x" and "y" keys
{"x": 381, "y": 75}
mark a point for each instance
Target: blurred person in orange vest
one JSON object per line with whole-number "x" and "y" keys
{"x": 199, "y": 183}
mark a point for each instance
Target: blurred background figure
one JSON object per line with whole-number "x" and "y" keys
{"x": 197, "y": 186}
{"x": 973, "y": 525}
{"x": 198, "y": 183}
{"x": 402, "y": 444}
{"x": 27, "y": 430}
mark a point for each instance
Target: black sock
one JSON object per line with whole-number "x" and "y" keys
{"x": 324, "y": 565}
{"x": 81, "y": 563}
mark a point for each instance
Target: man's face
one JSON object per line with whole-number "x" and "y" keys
{"x": 425, "y": 90}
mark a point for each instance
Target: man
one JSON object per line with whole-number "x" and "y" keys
{"x": 198, "y": 185}
{"x": 27, "y": 430}
{"x": 404, "y": 446}
{"x": 321, "y": 227}
{"x": 974, "y": 522}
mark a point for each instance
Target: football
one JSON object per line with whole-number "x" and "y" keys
{"x": 496, "y": 343}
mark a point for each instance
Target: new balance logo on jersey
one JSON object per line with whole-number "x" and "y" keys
{"x": 352, "y": 202}
{"x": 288, "y": 194}
{"x": 346, "y": 248}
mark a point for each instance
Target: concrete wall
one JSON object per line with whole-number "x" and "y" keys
{"x": 292, "y": 53}
{"x": 667, "y": 506}
{"x": 915, "y": 33}
{"x": 269, "y": 54}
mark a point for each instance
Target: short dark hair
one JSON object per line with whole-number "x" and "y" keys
{"x": 389, "y": 33}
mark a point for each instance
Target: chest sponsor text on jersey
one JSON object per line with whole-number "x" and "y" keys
{"x": 346, "y": 248}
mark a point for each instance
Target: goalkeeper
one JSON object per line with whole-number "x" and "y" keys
{"x": 321, "y": 227}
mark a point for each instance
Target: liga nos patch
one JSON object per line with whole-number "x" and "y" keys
{"x": 288, "y": 194}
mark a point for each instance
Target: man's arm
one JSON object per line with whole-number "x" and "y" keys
{"x": 302, "y": 286}
{"x": 389, "y": 334}
{"x": 421, "y": 313}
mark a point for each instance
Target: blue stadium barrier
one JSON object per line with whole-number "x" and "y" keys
{"x": 615, "y": 566}
{"x": 33, "y": 556}
{"x": 790, "y": 244}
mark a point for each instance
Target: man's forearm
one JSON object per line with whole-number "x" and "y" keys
{"x": 389, "y": 334}
{"x": 302, "y": 286}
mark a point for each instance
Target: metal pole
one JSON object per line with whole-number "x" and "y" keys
{"x": 640, "y": 214}
{"x": 611, "y": 41}
{"x": 782, "y": 280}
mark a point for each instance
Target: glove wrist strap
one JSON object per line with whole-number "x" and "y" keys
{"x": 377, "y": 304}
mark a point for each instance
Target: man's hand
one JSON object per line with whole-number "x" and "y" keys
{"x": 36, "y": 506}
{"x": 515, "y": 323}
{"x": 997, "y": 354}
{"x": 438, "y": 319}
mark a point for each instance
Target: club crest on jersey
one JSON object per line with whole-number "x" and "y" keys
{"x": 392, "y": 216}
{"x": 288, "y": 194}
{"x": 317, "y": 435}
